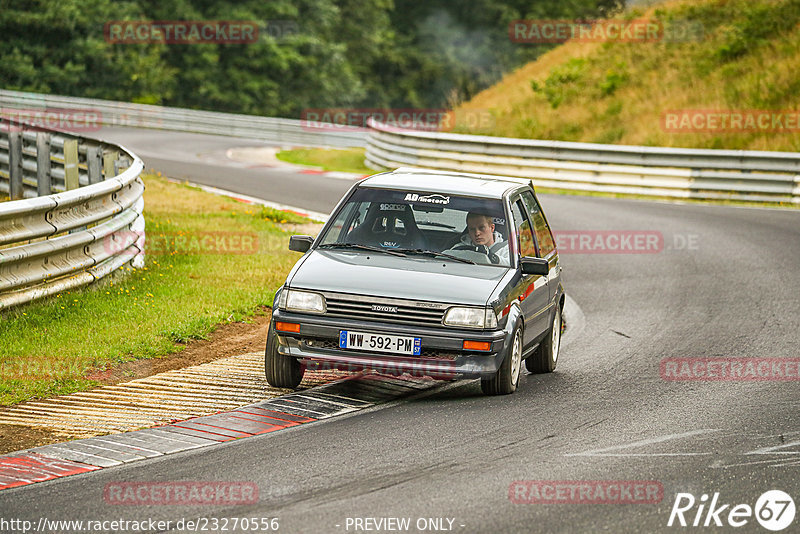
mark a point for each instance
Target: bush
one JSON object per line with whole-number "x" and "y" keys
{"x": 562, "y": 82}
{"x": 614, "y": 79}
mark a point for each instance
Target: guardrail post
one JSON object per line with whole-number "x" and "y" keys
{"x": 71, "y": 176}
{"x": 43, "y": 181}
{"x": 109, "y": 157}
{"x": 94, "y": 157}
{"x": 16, "y": 189}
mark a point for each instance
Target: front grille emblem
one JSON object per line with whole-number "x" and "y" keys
{"x": 386, "y": 309}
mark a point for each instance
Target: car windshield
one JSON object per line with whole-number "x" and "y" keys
{"x": 424, "y": 224}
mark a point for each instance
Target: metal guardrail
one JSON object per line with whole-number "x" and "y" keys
{"x": 110, "y": 113}
{"x": 656, "y": 171}
{"x": 87, "y": 222}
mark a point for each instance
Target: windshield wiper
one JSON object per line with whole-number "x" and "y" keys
{"x": 435, "y": 253}
{"x": 434, "y": 223}
{"x": 359, "y": 246}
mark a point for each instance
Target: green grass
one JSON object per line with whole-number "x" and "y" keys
{"x": 328, "y": 159}
{"x": 281, "y": 217}
{"x": 187, "y": 286}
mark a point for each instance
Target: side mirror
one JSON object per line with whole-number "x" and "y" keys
{"x": 300, "y": 243}
{"x": 531, "y": 265}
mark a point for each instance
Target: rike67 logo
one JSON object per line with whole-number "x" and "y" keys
{"x": 774, "y": 510}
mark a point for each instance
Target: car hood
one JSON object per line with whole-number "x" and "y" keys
{"x": 383, "y": 275}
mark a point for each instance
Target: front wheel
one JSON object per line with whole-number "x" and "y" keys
{"x": 545, "y": 357}
{"x": 507, "y": 377}
{"x": 281, "y": 371}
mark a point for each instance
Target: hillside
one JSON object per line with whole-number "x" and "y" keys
{"x": 743, "y": 65}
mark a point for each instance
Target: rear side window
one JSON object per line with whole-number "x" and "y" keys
{"x": 527, "y": 247}
{"x": 543, "y": 235}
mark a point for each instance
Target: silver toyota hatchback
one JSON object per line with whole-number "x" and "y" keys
{"x": 423, "y": 272}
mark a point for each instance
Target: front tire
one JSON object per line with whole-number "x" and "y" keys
{"x": 545, "y": 357}
{"x": 281, "y": 371}
{"x": 506, "y": 379}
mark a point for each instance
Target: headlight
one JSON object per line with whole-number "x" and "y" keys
{"x": 471, "y": 317}
{"x": 301, "y": 301}
{"x": 282, "y": 299}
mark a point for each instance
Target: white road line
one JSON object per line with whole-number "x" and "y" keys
{"x": 644, "y": 454}
{"x": 776, "y": 462}
{"x": 340, "y": 175}
{"x": 774, "y": 450}
{"x": 315, "y": 215}
{"x": 645, "y": 442}
{"x": 576, "y": 321}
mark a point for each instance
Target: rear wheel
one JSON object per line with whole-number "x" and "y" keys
{"x": 545, "y": 357}
{"x": 281, "y": 371}
{"x": 507, "y": 377}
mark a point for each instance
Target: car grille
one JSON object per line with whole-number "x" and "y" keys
{"x": 408, "y": 311}
{"x": 439, "y": 355}
{"x": 321, "y": 343}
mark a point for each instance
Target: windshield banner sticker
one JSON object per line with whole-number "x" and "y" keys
{"x": 430, "y": 199}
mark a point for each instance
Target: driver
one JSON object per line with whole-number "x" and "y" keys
{"x": 482, "y": 237}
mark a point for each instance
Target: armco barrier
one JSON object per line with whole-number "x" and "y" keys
{"x": 655, "y": 171}
{"x": 74, "y": 215}
{"x": 110, "y": 113}
{"x": 671, "y": 172}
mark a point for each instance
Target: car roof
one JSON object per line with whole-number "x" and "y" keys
{"x": 430, "y": 180}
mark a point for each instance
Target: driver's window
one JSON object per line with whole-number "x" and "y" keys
{"x": 543, "y": 236}
{"x": 525, "y": 242}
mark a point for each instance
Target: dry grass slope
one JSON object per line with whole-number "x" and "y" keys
{"x": 748, "y": 58}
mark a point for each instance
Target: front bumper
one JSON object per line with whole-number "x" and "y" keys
{"x": 442, "y": 348}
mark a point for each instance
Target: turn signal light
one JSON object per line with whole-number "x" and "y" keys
{"x": 477, "y": 345}
{"x": 287, "y": 327}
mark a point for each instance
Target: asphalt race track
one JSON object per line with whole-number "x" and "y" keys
{"x": 201, "y": 159}
{"x": 721, "y": 283}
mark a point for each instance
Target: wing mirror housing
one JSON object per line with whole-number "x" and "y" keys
{"x": 300, "y": 243}
{"x": 532, "y": 265}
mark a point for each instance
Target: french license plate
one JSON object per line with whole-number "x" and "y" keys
{"x": 349, "y": 339}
